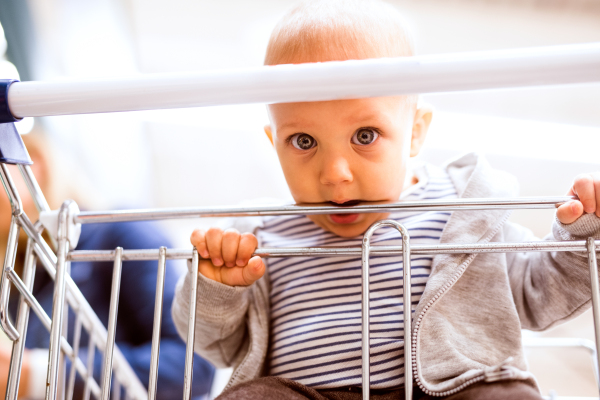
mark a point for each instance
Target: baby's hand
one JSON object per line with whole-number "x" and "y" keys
{"x": 227, "y": 256}
{"x": 587, "y": 188}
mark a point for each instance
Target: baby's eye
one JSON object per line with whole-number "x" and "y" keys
{"x": 303, "y": 141}
{"x": 364, "y": 136}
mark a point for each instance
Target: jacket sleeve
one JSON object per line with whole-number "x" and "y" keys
{"x": 221, "y": 310}
{"x": 221, "y": 331}
{"x": 551, "y": 287}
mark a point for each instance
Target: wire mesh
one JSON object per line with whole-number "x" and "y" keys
{"x": 117, "y": 376}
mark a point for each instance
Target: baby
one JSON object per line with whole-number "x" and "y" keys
{"x": 291, "y": 327}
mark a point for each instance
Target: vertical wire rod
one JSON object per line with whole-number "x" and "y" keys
{"x": 58, "y": 303}
{"x": 158, "y": 308}
{"x": 591, "y": 247}
{"x": 366, "y": 345}
{"x": 89, "y": 376}
{"x": 116, "y": 390}
{"x": 189, "y": 349}
{"x": 76, "y": 342}
{"x": 112, "y": 325}
{"x": 11, "y": 249}
{"x": 62, "y": 370}
{"x": 96, "y": 328}
{"x": 16, "y": 359}
{"x": 9, "y": 263}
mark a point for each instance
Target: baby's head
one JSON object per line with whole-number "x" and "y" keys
{"x": 344, "y": 151}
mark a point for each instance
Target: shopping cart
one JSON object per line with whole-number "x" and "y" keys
{"x": 326, "y": 81}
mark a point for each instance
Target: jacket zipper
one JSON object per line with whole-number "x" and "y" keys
{"x": 236, "y": 372}
{"x": 435, "y": 298}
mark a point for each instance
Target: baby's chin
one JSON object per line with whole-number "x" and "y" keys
{"x": 345, "y": 228}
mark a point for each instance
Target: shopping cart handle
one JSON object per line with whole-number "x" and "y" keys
{"x": 5, "y": 114}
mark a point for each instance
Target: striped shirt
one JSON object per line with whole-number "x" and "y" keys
{"x": 316, "y": 302}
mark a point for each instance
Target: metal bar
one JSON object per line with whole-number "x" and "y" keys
{"x": 158, "y": 308}
{"x": 565, "y": 64}
{"x": 116, "y": 390}
{"x": 58, "y": 303}
{"x": 366, "y": 313}
{"x": 76, "y": 342}
{"x": 591, "y": 247}
{"x": 62, "y": 370}
{"x": 89, "y": 376}
{"x": 407, "y": 291}
{"x": 585, "y": 344}
{"x": 11, "y": 250}
{"x": 112, "y": 325}
{"x": 493, "y": 247}
{"x": 34, "y": 189}
{"x": 30, "y": 299}
{"x": 41, "y": 204}
{"x": 189, "y": 347}
{"x": 407, "y": 300}
{"x": 96, "y": 328}
{"x": 9, "y": 262}
{"x": 42, "y": 249}
{"x": 93, "y": 217}
{"x": 44, "y": 318}
{"x": 11, "y": 190}
{"x": 16, "y": 359}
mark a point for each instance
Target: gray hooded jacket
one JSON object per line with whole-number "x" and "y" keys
{"x": 467, "y": 325}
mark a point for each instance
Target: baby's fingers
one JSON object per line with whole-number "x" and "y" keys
{"x": 585, "y": 188}
{"x": 253, "y": 271}
{"x": 214, "y": 240}
{"x": 248, "y": 244}
{"x": 596, "y": 183}
{"x": 229, "y": 249}
{"x": 198, "y": 240}
{"x": 569, "y": 212}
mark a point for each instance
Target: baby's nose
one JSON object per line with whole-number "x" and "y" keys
{"x": 336, "y": 170}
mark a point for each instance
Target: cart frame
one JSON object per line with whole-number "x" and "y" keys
{"x": 312, "y": 82}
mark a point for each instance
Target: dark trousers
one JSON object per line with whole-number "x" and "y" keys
{"x": 274, "y": 388}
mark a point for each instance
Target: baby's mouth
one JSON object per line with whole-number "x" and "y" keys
{"x": 344, "y": 219}
{"x": 348, "y": 203}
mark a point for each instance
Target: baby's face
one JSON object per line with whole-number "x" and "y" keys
{"x": 344, "y": 151}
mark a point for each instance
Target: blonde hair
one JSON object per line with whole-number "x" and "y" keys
{"x": 335, "y": 30}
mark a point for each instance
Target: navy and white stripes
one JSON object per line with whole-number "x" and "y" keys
{"x": 316, "y": 302}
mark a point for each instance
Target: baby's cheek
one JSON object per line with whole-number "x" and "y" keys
{"x": 304, "y": 191}
{"x": 385, "y": 184}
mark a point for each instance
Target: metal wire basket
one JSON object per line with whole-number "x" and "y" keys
{"x": 283, "y": 83}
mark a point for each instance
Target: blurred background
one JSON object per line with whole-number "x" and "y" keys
{"x": 220, "y": 155}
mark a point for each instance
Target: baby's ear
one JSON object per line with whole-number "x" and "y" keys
{"x": 269, "y": 133}
{"x": 421, "y": 122}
